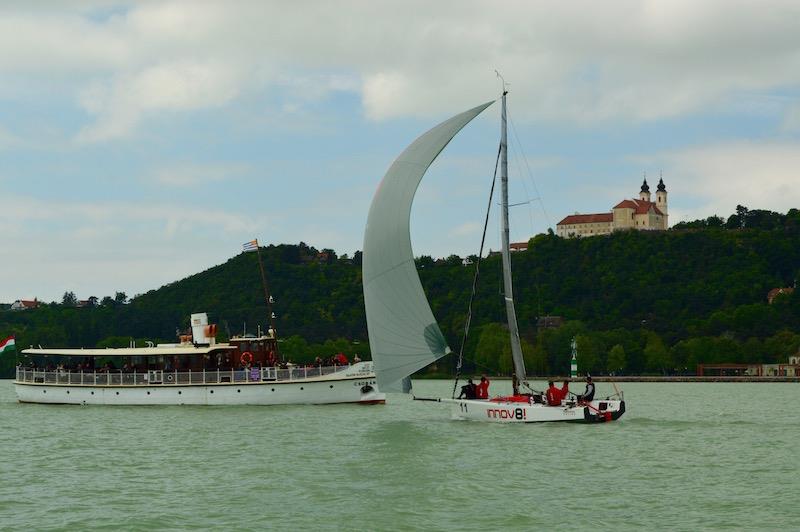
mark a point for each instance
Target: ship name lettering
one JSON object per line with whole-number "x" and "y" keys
{"x": 502, "y": 413}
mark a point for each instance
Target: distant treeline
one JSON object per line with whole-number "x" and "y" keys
{"x": 637, "y": 301}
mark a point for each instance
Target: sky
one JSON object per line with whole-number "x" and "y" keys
{"x": 141, "y": 142}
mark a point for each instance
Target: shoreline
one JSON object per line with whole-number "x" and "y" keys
{"x": 647, "y": 378}
{"x": 693, "y": 378}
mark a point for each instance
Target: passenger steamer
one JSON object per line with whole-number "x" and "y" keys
{"x": 195, "y": 371}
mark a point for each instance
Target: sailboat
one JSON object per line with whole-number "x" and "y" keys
{"x": 403, "y": 333}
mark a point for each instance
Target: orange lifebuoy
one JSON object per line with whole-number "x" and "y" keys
{"x": 246, "y": 358}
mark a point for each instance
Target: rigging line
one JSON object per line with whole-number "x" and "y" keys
{"x": 530, "y": 173}
{"x": 477, "y": 273}
{"x": 527, "y": 193}
{"x": 483, "y": 367}
{"x": 528, "y": 386}
{"x": 541, "y": 204}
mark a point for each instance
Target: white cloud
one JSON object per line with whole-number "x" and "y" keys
{"x": 578, "y": 61}
{"x": 103, "y": 247}
{"x": 791, "y": 121}
{"x": 715, "y": 179}
{"x": 188, "y": 174}
{"x": 466, "y": 229}
{"x": 7, "y": 139}
{"x": 163, "y": 87}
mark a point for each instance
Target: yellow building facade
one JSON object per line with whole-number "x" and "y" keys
{"x": 638, "y": 214}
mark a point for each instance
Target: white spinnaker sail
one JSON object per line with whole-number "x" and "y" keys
{"x": 403, "y": 334}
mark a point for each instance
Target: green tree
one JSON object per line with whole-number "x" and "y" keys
{"x": 656, "y": 354}
{"x": 69, "y": 299}
{"x": 535, "y": 358}
{"x": 616, "y": 359}
{"x": 296, "y": 349}
{"x": 494, "y": 349}
{"x": 588, "y": 354}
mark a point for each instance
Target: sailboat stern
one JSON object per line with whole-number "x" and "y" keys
{"x": 603, "y": 411}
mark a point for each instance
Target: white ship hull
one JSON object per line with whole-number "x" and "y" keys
{"x": 597, "y": 411}
{"x": 353, "y": 385}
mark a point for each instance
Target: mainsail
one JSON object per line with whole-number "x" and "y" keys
{"x": 403, "y": 334}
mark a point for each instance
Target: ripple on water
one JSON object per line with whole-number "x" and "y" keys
{"x": 721, "y": 458}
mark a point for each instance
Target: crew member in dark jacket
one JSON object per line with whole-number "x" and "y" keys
{"x": 469, "y": 390}
{"x": 588, "y": 393}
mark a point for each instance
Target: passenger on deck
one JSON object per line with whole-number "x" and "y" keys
{"x": 468, "y": 391}
{"x": 588, "y": 393}
{"x": 555, "y": 395}
{"x": 356, "y": 359}
{"x": 482, "y": 390}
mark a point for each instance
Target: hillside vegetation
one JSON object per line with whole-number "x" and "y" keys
{"x": 637, "y": 302}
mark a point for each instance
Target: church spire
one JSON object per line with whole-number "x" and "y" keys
{"x": 645, "y": 186}
{"x": 661, "y": 186}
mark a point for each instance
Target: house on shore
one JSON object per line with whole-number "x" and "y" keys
{"x": 24, "y": 304}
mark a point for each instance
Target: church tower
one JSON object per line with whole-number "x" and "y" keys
{"x": 644, "y": 194}
{"x": 661, "y": 200}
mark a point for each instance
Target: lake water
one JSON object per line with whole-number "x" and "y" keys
{"x": 684, "y": 457}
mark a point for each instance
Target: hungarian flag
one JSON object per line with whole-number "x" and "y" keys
{"x": 7, "y": 345}
{"x": 250, "y": 246}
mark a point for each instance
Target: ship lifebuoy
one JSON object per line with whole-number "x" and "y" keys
{"x": 246, "y": 358}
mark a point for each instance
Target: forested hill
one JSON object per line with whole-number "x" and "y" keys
{"x": 636, "y": 301}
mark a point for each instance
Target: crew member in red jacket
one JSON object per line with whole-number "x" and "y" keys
{"x": 482, "y": 391}
{"x": 555, "y": 395}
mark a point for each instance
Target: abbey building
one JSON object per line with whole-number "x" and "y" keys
{"x": 640, "y": 214}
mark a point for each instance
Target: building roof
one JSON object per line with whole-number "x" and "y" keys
{"x": 27, "y": 303}
{"x": 639, "y": 206}
{"x": 520, "y": 246}
{"x": 775, "y": 292}
{"x": 587, "y": 218}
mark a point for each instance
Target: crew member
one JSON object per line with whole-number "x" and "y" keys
{"x": 588, "y": 393}
{"x": 555, "y": 395}
{"x": 482, "y": 390}
{"x": 468, "y": 390}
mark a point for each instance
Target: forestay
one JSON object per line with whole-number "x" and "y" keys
{"x": 403, "y": 334}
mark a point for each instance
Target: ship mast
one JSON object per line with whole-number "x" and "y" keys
{"x": 508, "y": 292}
{"x": 267, "y": 297}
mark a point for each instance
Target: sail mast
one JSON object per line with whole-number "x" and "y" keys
{"x": 516, "y": 348}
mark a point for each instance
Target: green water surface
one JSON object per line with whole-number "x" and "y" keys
{"x": 684, "y": 457}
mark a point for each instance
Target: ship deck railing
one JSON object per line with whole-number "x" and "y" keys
{"x": 116, "y": 377}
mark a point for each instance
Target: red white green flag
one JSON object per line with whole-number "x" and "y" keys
{"x": 7, "y": 345}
